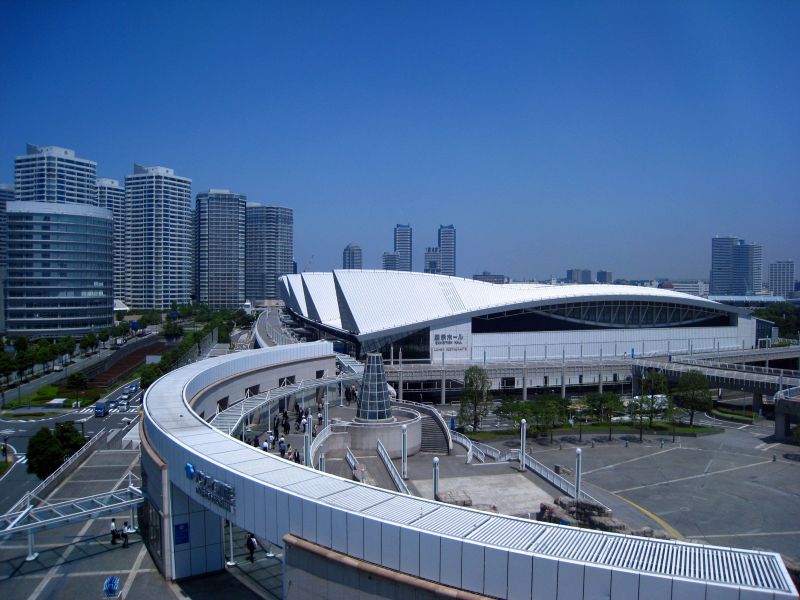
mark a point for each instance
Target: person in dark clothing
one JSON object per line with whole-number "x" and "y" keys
{"x": 297, "y": 456}
{"x": 282, "y": 447}
{"x": 251, "y": 545}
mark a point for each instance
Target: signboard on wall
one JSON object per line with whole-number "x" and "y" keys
{"x": 452, "y": 341}
{"x": 181, "y": 533}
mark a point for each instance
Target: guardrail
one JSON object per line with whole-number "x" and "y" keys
{"x": 464, "y": 441}
{"x": 398, "y": 481}
{"x": 353, "y": 462}
{"x": 556, "y": 480}
{"x": 710, "y": 362}
{"x": 432, "y": 412}
{"x": 71, "y": 461}
{"x": 317, "y": 443}
{"x": 486, "y": 450}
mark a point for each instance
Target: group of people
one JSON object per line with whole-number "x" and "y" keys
{"x": 350, "y": 394}
{"x": 284, "y": 448}
{"x": 117, "y": 534}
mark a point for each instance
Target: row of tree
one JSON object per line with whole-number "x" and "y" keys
{"x": 47, "y": 450}
{"x": 546, "y": 412}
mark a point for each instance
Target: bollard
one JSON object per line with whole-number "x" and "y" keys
{"x": 404, "y": 473}
{"x": 435, "y": 477}
{"x": 626, "y": 443}
{"x": 774, "y": 457}
{"x": 592, "y": 443}
{"x": 523, "y": 431}
{"x": 578, "y": 453}
{"x": 662, "y": 443}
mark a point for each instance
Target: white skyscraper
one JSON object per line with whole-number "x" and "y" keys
{"x": 781, "y": 278}
{"x": 54, "y": 174}
{"x": 403, "y": 246}
{"x": 158, "y": 234}
{"x": 111, "y": 195}
{"x": 447, "y": 250}
{"x": 220, "y": 248}
{"x": 735, "y": 267}
{"x": 60, "y": 250}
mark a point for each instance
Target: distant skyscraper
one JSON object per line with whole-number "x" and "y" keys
{"x": 579, "y": 276}
{"x": 605, "y": 277}
{"x": 60, "y": 265}
{"x": 403, "y": 246}
{"x": 220, "y": 248}
{"x": 491, "y": 278}
{"x": 735, "y": 267}
{"x": 158, "y": 234}
{"x": 433, "y": 261}
{"x": 391, "y": 261}
{"x": 352, "y": 257}
{"x": 6, "y": 196}
{"x": 111, "y": 195}
{"x": 270, "y": 249}
{"x": 54, "y": 174}
{"x": 447, "y": 250}
{"x": 781, "y": 278}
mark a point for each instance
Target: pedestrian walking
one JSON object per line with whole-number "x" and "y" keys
{"x": 297, "y": 456}
{"x": 304, "y": 424}
{"x": 114, "y": 532}
{"x": 265, "y": 446}
{"x": 282, "y": 447}
{"x": 271, "y": 440}
{"x": 319, "y": 418}
{"x": 252, "y": 546}
{"x": 124, "y": 534}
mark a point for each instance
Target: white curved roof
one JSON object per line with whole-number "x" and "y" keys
{"x": 372, "y": 301}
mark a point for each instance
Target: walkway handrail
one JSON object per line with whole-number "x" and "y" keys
{"x": 35, "y": 492}
{"x": 464, "y": 441}
{"x": 485, "y": 449}
{"x": 437, "y": 417}
{"x": 351, "y": 459}
{"x": 318, "y": 441}
{"x": 556, "y": 480}
{"x": 708, "y": 362}
{"x": 398, "y": 481}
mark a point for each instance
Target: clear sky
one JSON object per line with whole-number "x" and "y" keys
{"x": 601, "y": 135}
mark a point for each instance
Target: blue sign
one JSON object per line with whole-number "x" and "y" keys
{"x": 452, "y": 423}
{"x": 181, "y": 533}
{"x": 189, "y": 468}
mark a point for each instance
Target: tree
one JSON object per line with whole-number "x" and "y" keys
{"x": 84, "y": 344}
{"x": 653, "y": 384}
{"x": 546, "y": 411}
{"x": 69, "y": 437}
{"x": 77, "y": 382}
{"x": 148, "y": 375}
{"x": 171, "y": 330}
{"x": 45, "y": 453}
{"x": 693, "y": 394}
{"x": 475, "y": 403}
{"x": 104, "y": 335}
{"x": 21, "y": 344}
{"x": 785, "y": 315}
{"x": 605, "y": 406}
{"x": 513, "y": 409}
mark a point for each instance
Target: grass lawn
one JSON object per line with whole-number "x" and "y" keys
{"x": 4, "y": 466}
{"x": 48, "y": 392}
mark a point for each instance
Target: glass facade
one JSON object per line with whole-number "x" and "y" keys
{"x": 60, "y": 269}
{"x": 111, "y": 195}
{"x": 404, "y": 246}
{"x": 373, "y": 400}
{"x": 270, "y": 249}
{"x": 220, "y": 248}
{"x": 609, "y": 314}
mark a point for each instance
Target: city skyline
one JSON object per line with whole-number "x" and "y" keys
{"x": 628, "y": 135}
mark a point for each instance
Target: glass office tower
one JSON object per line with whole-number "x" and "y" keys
{"x": 403, "y": 246}
{"x": 270, "y": 249}
{"x": 447, "y": 250}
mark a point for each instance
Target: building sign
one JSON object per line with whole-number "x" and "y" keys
{"x": 181, "y": 533}
{"x": 218, "y": 492}
{"x": 449, "y": 341}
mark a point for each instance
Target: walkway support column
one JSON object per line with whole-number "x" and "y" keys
{"x": 525, "y": 375}
{"x": 32, "y": 554}
{"x": 400, "y": 381}
{"x": 404, "y": 469}
{"x": 563, "y": 374}
{"x": 444, "y": 382}
{"x": 600, "y": 375}
{"x": 435, "y": 477}
{"x": 758, "y": 402}
{"x": 523, "y": 432}
{"x": 578, "y": 453}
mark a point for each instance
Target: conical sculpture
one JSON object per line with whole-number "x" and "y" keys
{"x": 374, "y": 403}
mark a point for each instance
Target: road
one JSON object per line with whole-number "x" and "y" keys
{"x": 16, "y": 433}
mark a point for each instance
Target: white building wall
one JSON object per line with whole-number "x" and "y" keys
{"x": 552, "y": 345}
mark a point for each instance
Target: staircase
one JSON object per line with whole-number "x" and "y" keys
{"x": 433, "y": 439}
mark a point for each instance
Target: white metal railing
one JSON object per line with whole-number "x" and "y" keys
{"x": 318, "y": 441}
{"x": 711, "y": 363}
{"x": 398, "y": 481}
{"x": 486, "y": 450}
{"x": 351, "y": 460}
{"x": 432, "y": 412}
{"x": 464, "y": 441}
{"x": 556, "y": 480}
{"x": 510, "y": 456}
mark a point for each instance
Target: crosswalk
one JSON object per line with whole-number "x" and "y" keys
{"x": 20, "y": 458}
{"x": 120, "y": 409}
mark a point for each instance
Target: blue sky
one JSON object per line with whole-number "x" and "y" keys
{"x": 601, "y": 135}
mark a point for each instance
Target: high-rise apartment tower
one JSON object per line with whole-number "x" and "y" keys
{"x": 781, "y": 278}
{"x": 270, "y": 249}
{"x": 220, "y": 248}
{"x": 447, "y": 250}
{"x": 352, "y": 257}
{"x": 158, "y": 234}
{"x": 111, "y": 195}
{"x": 403, "y": 245}
{"x": 735, "y": 267}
